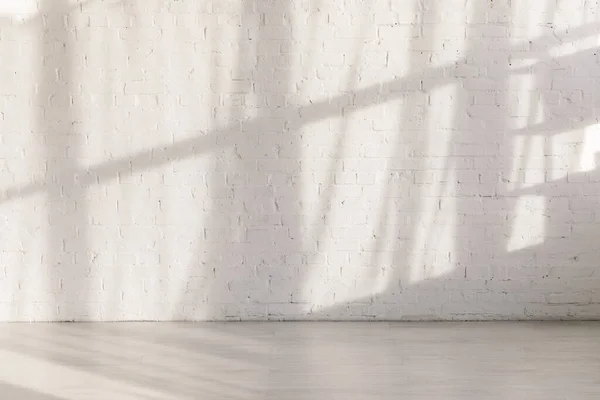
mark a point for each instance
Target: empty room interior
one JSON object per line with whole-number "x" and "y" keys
{"x": 299, "y": 199}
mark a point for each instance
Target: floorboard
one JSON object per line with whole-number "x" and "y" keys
{"x": 294, "y": 361}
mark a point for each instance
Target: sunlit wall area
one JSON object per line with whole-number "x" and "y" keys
{"x": 551, "y": 176}
{"x": 27, "y": 287}
{"x": 18, "y": 11}
{"x": 198, "y": 160}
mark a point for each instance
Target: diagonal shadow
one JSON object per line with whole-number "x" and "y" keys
{"x": 22, "y": 393}
{"x": 230, "y": 137}
{"x": 380, "y": 93}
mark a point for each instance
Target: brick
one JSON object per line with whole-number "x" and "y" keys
{"x": 259, "y": 163}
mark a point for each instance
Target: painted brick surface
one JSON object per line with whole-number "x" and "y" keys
{"x": 299, "y": 159}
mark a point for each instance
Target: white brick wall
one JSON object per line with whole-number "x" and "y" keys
{"x": 299, "y": 159}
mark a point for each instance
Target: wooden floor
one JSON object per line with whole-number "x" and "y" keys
{"x": 431, "y": 361}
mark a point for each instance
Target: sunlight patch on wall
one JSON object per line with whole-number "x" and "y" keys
{"x": 528, "y": 224}
{"x": 518, "y": 149}
{"x": 567, "y": 153}
{"x": 433, "y": 236}
{"x": 527, "y": 109}
{"x": 354, "y": 218}
{"x": 529, "y": 163}
{"x": 18, "y": 10}
{"x": 448, "y": 36}
{"x": 525, "y": 102}
{"x": 532, "y": 23}
{"x": 575, "y": 46}
{"x": 590, "y": 13}
{"x": 534, "y": 172}
{"x": 26, "y": 282}
{"x": 591, "y": 149}
{"x": 154, "y": 110}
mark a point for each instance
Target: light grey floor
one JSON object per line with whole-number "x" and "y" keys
{"x": 300, "y": 361}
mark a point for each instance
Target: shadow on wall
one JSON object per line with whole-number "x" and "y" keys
{"x": 535, "y": 282}
{"x": 458, "y": 234}
{"x": 456, "y": 223}
{"x": 255, "y": 192}
{"x": 68, "y": 221}
{"x": 522, "y": 240}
